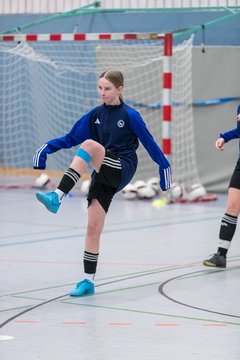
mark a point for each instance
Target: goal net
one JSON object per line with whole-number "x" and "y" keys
{"x": 47, "y": 85}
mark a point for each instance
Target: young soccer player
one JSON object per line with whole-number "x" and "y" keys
{"x": 229, "y": 220}
{"x": 108, "y": 136}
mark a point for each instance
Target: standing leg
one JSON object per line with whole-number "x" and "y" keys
{"x": 229, "y": 221}
{"x": 96, "y": 219}
{"x": 101, "y": 192}
{"x": 227, "y": 229}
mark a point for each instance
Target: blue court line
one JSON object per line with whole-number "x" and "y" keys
{"x": 112, "y": 231}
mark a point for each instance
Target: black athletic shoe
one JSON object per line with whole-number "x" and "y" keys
{"x": 216, "y": 260}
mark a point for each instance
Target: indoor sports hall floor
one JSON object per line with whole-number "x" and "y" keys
{"x": 154, "y": 300}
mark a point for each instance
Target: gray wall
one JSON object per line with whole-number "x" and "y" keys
{"x": 215, "y": 75}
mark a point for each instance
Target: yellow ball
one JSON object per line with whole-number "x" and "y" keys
{"x": 159, "y": 202}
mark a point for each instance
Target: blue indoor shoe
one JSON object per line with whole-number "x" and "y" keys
{"x": 50, "y": 200}
{"x": 84, "y": 287}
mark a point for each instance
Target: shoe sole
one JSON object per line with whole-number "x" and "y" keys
{"x": 41, "y": 199}
{"x": 86, "y": 294}
{"x": 209, "y": 264}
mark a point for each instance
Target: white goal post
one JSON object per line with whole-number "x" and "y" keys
{"x": 48, "y": 81}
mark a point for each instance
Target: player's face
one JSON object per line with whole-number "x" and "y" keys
{"x": 108, "y": 92}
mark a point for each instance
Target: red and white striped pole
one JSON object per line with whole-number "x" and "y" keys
{"x": 167, "y": 95}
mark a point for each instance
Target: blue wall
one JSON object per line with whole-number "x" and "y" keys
{"x": 223, "y": 33}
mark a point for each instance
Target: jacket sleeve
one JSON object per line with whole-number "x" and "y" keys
{"x": 79, "y": 133}
{"x": 141, "y": 131}
{"x": 231, "y": 134}
{"x": 234, "y": 133}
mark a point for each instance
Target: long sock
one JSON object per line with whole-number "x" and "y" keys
{"x": 90, "y": 265}
{"x": 227, "y": 231}
{"x": 69, "y": 179}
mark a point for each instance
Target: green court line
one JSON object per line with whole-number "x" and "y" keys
{"x": 28, "y": 298}
{"x": 98, "y": 293}
{"x": 39, "y": 289}
{"x": 134, "y": 310}
{"x": 136, "y": 273}
{"x": 145, "y": 312}
{"x": 153, "y": 313}
{"x": 211, "y": 271}
{"x": 122, "y": 277}
{"x": 16, "y": 308}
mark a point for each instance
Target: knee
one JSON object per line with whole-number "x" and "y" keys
{"x": 89, "y": 145}
{"x": 95, "y": 150}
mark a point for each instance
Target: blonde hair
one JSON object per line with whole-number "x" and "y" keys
{"x": 115, "y": 77}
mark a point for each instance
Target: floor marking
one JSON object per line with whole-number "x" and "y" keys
{"x": 183, "y": 276}
{"x": 117, "y": 278}
{"x": 211, "y": 325}
{"x": 150, "y": 312}
{"x": 27, "y": 321}
{"x": 167, "y": 324}
{"x": 6, "y": 337}
{"x": 73, "y": 322}
{"x": 30, "y": 309}
{"x": 120, "y": 324}
{"x": 109, "y": 231}
{"x": 44, "y": 262}
{"x": 124, "y": 278}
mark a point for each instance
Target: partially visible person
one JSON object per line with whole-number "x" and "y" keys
{"x": 108, "y": 136}
{"x": 229, "y": 220}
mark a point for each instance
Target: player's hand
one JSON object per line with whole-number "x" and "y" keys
{"x": 165, "y": 177}
{"x": 238, "y": 120}
{"x": 219, "y": 144}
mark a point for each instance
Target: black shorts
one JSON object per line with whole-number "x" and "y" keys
{"x": 235, "y": 179}
{"x": 105, "y": 182}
